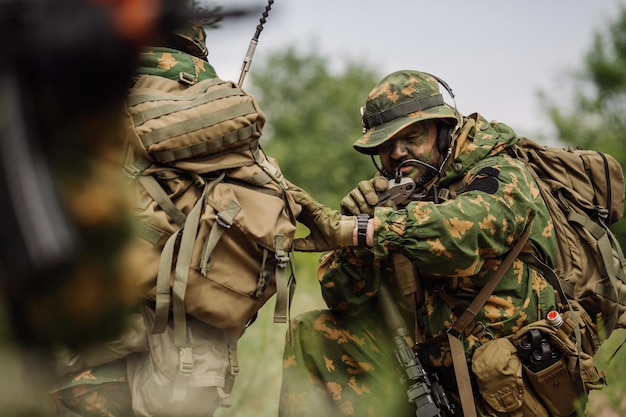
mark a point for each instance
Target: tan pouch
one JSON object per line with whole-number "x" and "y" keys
{"x": 162, "y": 385}
{"x": 555, "y": 387}
{"x": 498, "y": 373}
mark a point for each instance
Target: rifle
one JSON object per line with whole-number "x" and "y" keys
{"x": 424, "y": 390}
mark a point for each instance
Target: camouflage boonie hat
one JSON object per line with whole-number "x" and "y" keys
{"x": 399, "y": 100}
{"x": 191, "y": 39}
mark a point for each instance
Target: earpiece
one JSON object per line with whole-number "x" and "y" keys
{"x": 444, "y": 136}
{"x": 445, "y": 130}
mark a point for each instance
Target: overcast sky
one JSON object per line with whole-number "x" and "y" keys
{"x": 494, "y": 54}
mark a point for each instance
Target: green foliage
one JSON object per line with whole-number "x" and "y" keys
{"x": 596, "y": 117}
{"x": 313, "y": 120}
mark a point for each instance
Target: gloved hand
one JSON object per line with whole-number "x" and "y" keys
{"x": 329, "y": 230}
{"x": 364, "y": 198}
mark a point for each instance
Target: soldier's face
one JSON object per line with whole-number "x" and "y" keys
{"x": 418, "y": 141}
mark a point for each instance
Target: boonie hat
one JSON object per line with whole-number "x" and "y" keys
{"x": 189, "y": 38}
{"x": 401, "y": 99}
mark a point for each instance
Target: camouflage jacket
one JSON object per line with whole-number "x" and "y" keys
{"x": 465, "y": 238}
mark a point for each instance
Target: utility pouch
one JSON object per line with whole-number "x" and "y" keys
{"x": 558, "y": 371}
{"x": 504, "y": 391}
{"x": 555, "y": 387}
{"x": 188, "y": 381}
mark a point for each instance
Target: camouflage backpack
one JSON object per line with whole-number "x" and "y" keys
{"x": 214, "y": 219}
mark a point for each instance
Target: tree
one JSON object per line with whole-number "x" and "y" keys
{"x": 596, "y": 118}
{"x": 313, "y": 120}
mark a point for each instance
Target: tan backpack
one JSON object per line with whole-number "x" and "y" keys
{"x": 584, "y": 192}
{"x": 213, "y": 216}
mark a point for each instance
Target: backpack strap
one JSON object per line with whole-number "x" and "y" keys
{"x": 162, "y": 302}
{"x": 135, "y": 170}
{"x": 223, "y": 220}
{"x": 179, "y": 287}
{"x": 285, "y": 287}
{"x": 604, "y": 237}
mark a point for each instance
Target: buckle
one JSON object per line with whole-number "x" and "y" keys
{"x": 480, "y": 331}
{"x": 185, "y": 361}
{"x": 452, "y": 331}
{"x": 223, "y": 221}
{"x": 131, "y": 172}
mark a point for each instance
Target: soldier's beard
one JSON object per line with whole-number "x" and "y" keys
{"x": 424, "y": 170}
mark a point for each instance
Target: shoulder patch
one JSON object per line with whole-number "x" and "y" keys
{"x": 485, "y": 181}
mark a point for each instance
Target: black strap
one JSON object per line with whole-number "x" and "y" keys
{"x": 378, "y": 118}
{"x": 361, "y": 231}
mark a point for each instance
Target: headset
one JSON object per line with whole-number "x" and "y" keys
{"x": 446, "y": 131}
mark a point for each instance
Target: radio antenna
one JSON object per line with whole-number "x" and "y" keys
{"x": 253, "y": 43}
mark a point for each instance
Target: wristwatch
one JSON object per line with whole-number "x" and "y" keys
{"x": 361, "y": 229}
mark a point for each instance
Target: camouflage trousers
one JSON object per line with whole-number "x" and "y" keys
{"x": 95, "y": 392}
{"x": 336, "y": 365}
{"x": 103, "y": 391}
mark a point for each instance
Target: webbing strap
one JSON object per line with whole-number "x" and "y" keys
{"x": 461, "y": 372}
{"x": 196, "y": 91}
{"x": 181, "y": 380}
{"x": 181, "y": 273}
{"x": 606, "y": 252}
{"x": 165, "y": 109}
{"x": 454, "y": 333}
{"x": 162, "y": 302}
{"x": 378, "y": 118}
{"x": 196, "y": 123}
{"x": 270, "y": 169}
{"x": 481, "y": 298}
{"x": 159, "y": 195}
{"x": 147, "y": 232}
{"x": 283, "y": 296}
{"x": 205, "y": 146}
{"x": 137, "y": 166}
{"x": 223, "y": 220}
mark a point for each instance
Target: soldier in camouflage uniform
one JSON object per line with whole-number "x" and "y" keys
{"x": 471, "y": 204}
{"x": 103, "y": 390}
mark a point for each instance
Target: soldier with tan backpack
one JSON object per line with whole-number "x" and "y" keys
{"x": 486, "y": 276}
{"x": 214, "y": 220}
{"x": 215, "y": 227}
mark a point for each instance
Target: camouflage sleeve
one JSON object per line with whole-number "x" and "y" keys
{"x": 455, "y": 238}
{"x": 349, "y": 279}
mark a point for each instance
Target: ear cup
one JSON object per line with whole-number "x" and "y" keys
{"x": 444, "y": 137}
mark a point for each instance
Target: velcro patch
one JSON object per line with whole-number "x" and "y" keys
{"x": 485, "y": 181}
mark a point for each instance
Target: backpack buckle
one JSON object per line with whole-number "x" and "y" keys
{"x": 601, "y": 211}
{"x": 224, "y": 221}
{"x": 282, "y": 258}
{"x": 185, "y": 361}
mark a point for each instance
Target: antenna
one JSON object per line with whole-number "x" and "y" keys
{"x": 253, "y": 43}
